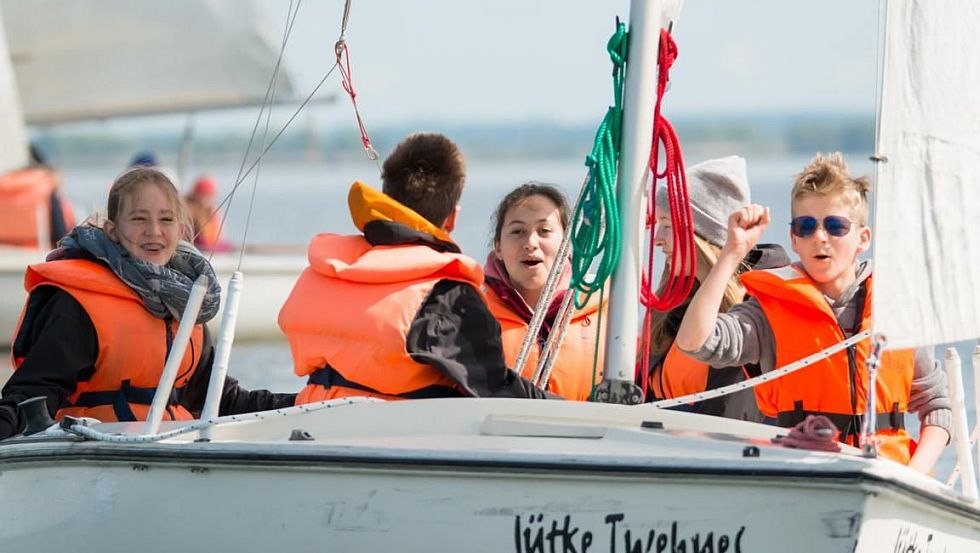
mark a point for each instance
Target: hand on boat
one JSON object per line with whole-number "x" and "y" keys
{"x": 745, "y": 228}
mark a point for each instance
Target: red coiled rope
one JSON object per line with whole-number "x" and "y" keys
{"x": 682, "y": 264}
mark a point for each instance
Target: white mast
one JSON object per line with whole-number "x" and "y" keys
{"x": 13, "y": 137}
{"x": 638, "y": 107}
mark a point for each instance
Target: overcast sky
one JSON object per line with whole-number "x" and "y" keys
{"x": 513, "y": 60}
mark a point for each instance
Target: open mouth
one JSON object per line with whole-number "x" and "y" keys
{"x": 532, "y": 262}
{"x": 152, "y": 248}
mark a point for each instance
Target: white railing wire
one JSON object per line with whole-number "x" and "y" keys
{"x": 93, "y": 434}
{"x": 752, "y": 382}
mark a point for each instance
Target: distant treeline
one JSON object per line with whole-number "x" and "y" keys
{"x": 750, "y": 135}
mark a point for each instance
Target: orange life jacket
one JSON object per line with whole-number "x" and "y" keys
{"x": 24, "y": 195}
{"x": 207, "y": 224}
{"x": 678, "y": 375}
{"x": 803, "y": 324}
{"x": 572, "y": 375}
{"x": 133, "y": 344}
{"x": 210, "y": 234}
{"x": 348, "y": 316}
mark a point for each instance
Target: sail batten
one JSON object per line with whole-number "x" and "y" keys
{"x": 927, "y": 257}
{"x": 86, "y": 60}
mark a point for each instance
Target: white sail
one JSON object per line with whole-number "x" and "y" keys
{"x": 13, "y": 138}
{"x": 927, "y": 257}
{"x": 86, "y": 59}
{"x": 90, "y": 60}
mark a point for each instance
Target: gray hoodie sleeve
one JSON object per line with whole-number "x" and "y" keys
{"x": 930, "y": 393}
{"x": 740, "y": 337}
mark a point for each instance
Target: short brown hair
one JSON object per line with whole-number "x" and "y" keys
{"x": 425, "y": 173}
{"x": 523, "y": 192}
{"x": 826, "y": 175}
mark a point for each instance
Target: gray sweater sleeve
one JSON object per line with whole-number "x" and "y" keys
{"x": 740, "y": 337}
{"x": 930, "y": 393}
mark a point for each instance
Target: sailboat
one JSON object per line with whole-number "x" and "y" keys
{"x": 121, "y": 59}
{"x": 518, "y": 475}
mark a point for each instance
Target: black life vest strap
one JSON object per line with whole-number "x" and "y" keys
{"x": 849, "y": 425}
{"x": 119, "y": 399}
{"x": 329, "y": 377}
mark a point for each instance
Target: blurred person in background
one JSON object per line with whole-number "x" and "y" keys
{"x": 205, "y": 220}
{"x": 33, "y": 212}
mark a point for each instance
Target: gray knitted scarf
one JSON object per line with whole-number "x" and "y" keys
{"x": 163, "y": 289}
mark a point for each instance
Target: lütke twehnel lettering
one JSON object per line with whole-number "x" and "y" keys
{"x": 536, "y": 533}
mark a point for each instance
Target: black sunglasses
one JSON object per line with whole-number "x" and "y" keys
{"x": 806, "y": 225}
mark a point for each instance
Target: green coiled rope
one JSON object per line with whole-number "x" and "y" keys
{"x": 596, "y": 226}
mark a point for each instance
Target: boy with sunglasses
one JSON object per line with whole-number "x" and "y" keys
{"x": 801, "y": 309}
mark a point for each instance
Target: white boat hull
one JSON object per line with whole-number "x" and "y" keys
{"x": 13, "y": 262}
{"x": 268, "y": 280}
{"x": 474, "y": 475}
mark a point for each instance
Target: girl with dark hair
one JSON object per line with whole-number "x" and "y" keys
{"x": 529, "y": 225}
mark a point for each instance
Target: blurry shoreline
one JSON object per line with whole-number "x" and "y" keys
{"x": 702, "y": 136}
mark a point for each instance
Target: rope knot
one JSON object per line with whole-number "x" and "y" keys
{"x": 618, "y": 45}
{"x": 339, "y": 47}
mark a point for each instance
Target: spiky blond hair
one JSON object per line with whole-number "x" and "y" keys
{"x": 828, "y": 175}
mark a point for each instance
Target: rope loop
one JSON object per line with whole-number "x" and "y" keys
{"x": 683, "y": 263}
{"x": 342, "y": 52}
{"x": 665, "y": 138}
{"x": 596, "y": 226}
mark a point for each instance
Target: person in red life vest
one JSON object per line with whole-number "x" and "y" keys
{"x": 33, "y": 212}
{"x": 529, "y": 225}
{"x": 102, "y": 313}
{"x": 396, "y": 312}
{"x": 204, "y": 217}
{"x": 716, "y": 188}
{"x": 801, "y": 309}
